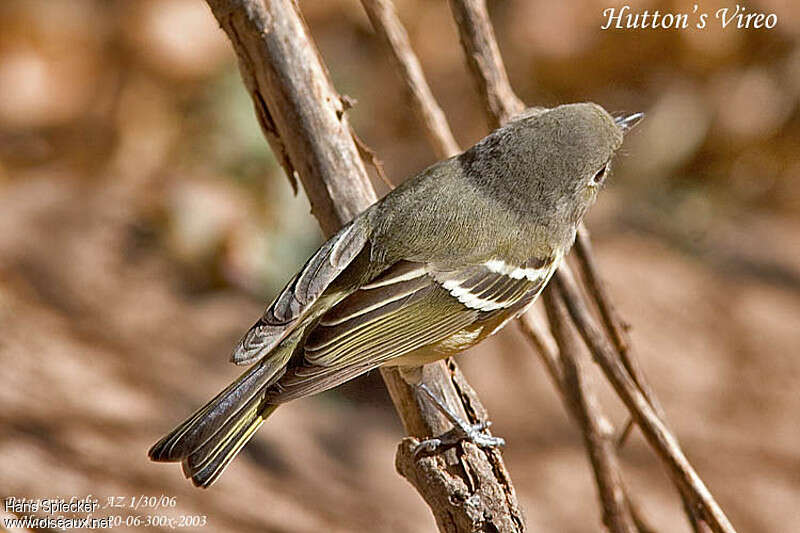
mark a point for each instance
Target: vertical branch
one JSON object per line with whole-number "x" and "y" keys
{"x": 619, "y": 336}
{"x": 300, "y": 112}
{"x": 569, "y": 379}
{"x": 304, "y": 120}
{"x": 541, "y": 341}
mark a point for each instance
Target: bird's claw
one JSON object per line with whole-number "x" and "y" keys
{"x": 462, "y": 430}
{"x": 472, "y": 433}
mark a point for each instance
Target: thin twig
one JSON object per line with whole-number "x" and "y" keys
{"x": 611, "y": 319}
{"x": 536, "y": 333}
{"x": 370, "y": 154}
{"x": 384, "y": 19}
{"x": 562, "y": 363}
{"x": 597, "y": 430}
{"x": 483, "y": 57}
{"x": 654, "y": 430}
{"x": 618, "y": 331}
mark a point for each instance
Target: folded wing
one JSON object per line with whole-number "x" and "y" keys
{"x": 409, "y": 306}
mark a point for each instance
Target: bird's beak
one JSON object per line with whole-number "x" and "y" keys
{"x": 627, "y": 122}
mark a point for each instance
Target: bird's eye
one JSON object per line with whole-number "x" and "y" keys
{"x": 600, "y": 175}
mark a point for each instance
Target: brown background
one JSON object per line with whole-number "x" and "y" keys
{"x": 143, "y": 222}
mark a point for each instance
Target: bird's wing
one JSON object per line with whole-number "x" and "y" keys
{"x": 409, "y": 306}
{"x": 297, "y": 298}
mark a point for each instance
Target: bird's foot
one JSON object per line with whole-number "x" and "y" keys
{"x": 472, "y": 433}
{"x": 462, "y": 431}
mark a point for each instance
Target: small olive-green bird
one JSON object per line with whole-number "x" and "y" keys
{"x": 439, "y": 264}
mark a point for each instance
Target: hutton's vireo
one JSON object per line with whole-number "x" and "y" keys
{"x": 439, "y": 264}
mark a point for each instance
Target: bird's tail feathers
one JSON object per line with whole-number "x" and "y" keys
{"x": 208, "y": 440}
{"x": 206, "y": 464}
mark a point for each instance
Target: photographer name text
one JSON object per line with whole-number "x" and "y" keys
{"x": 74, "y": 513}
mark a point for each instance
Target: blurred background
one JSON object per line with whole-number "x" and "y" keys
{"x": 144, "y": 222}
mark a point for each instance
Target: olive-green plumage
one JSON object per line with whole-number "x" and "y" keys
{"x": 436, "y": 266}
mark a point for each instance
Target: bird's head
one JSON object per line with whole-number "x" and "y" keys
{"x": 549, "y": 164}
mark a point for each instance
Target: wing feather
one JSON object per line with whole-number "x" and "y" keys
{"x": 371, "y": 299}
{"x": 375, "y": 339}
{"x": 302, "y": 292}
{"x": 408, "y": 307}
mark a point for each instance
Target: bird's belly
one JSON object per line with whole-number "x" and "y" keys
{"x": 454, "y": 344}
{"x": 460, "y": 341}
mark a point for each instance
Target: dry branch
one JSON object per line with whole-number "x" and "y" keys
{"x": 617, "y": 330}
{"x": 301, "y": 114}
{"x": 304, "y": 120}
{"x": 384, "y": 19}
{"x": 598, "y": 433}
{"x": 611, "y": 319}
{"x": 483, "y": 57}
{"x": 655, "y": 431}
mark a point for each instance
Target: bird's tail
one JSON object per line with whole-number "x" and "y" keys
{"x": 208, "y": 441}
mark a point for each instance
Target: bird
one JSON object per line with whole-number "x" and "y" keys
{"x": 437, "y": 265}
